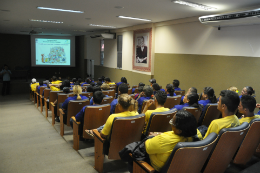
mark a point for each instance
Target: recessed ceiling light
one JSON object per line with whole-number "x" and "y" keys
{"x": 119, "y": 7}
{"x": 88, "y": 18}
{"x": 48, "y": 21}
{"x": 56, "y": 9}
{"x": 195, "y": 5}
{"x": 102, "y": 26}
{"x": 134, "y": 18}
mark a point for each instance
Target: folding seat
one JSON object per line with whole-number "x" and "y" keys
{"x": 209, "y": 114}
{"x": 194, "y": 111}
{"x": 180, "y": 92}
{"x": 171, "y": 101}
{"x": 109, "y": 92}
{"x": 107, "y": 100}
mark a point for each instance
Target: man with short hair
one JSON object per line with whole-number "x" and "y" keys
{"x": 227, "y": 105}
{"x": 247, "y": 107}
{"x": 159, "y": 100}
{"x": 145, "y": 95}
{"x": 123, "y": 89}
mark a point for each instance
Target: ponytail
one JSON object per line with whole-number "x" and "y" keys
{"x": 77, "y": 90}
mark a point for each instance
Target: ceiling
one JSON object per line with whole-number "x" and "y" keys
{"x": 15, "y": 14}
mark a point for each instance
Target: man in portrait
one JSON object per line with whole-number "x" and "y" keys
{"x": 141, "y": 51}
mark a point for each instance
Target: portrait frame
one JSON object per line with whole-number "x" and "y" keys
{"x": 142, "y": 45}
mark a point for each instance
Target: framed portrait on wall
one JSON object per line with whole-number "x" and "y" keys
{"x": 142, "y": 45}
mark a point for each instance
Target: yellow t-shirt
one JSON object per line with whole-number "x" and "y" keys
{"x": 107, "y": 128}
{"x": 53, "y": 88}
{"x": 248, "y": 119}
{"x": 111, "y": 83}
{"x": 160, "y": 147}
{"x": 34, "y": 86}
{"x": 148, "y": 114}
{"x": 56, "y": 82}
{"x": 218, "y": 124}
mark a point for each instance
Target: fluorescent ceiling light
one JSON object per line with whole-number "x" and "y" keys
{"x": 56, "y": 9}
{"x": 134, "y": 18}
{"x": 195, "y": 5}
{"x": 34, "y": 20}
{"x": 102, "y": 26}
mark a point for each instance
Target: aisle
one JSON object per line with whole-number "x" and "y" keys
{"x": 28, "y": 142}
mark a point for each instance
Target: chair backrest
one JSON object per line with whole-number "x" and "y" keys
{"x": 180, "y": 92}
{"x": 134, "y": 86}
{"x": 74, "y": 107}
{"x": 228, "y": 142}
{"x": 136, "y": 90}
{"x": 47, "y": 92}
{"x": 109, "y": 92}
{"x": 129, "y": 91}
{"x": 86, "y": 84}
{"x": 53, "y": 96}
{"x": 125, "y": 130}
{"x": 249, "y": 144}
{"x": 209, "y": 114}
{"x": 61, "y": 98}
{"x": 87, "y": 94}
{"x": 171, "y": 101}
{"x": 41, "y": 89}
{"x": 107, "y": 100}
{"x": 187, "y": 157}
{"x": 94, "y": 117}
{"x": 194, "y": 111}
{"x": 159, "y": 121}
{"x": 152, "y": 107}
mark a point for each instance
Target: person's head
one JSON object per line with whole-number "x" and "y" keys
{"x": 100, "y": 79}
{"x": 228, "y": 100}
{"x": 105, "y": 86}
{"x": 92, "y": 84}
{"x": 98, "y": 97}
{"x": 77, "y": 90}
{"x": 169, "y": 89}
{"x": 99, "y": 83}
{"x": 192, "y": 98}
{"x": 123, "y": 88}
{"x": 192, "y": 90}
{"x": 59, "y": 78}
{"x": 89, "y": 88}
{"x": 88, "y": 80}
{"x": 74, "y": 80}
{"x": 96, "y": 88}
{"x": 209, "y": 94}
{"x": 141, "y": 84}
{"x": 33, "y": 80}
{"x": 79, "y": 80}
{"x": 233, "y": 88}
{"x": 54, "y": 78}
{"x": 156, "y": 87}
{"x": 107, "y": 80}
{"x": 140, "y": 88}
{"x": 66, "y": 83}
{"x": 247, "y": 103}
{"x": 41, "y": 83}
{"x": 152, "y": 81}
{"x": 176, "y": 83}
{"x": 125, "y": 101}
{"x": 184, "y": 124}
{"x": 248, "y": 90}
{"x": 160, "y": 97}
{"x": 123, "y": 79}
{"x": 148, "y": 91}
{"x": 141, "y": 41}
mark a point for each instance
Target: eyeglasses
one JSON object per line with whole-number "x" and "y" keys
{"x": 171, "y": 122}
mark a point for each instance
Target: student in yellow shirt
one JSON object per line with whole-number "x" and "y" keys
{"x": 227, "y": 105}
{"x": 108, "y": 81}
{"x": 34, "y": 84}
{"x": 55, "y": 84}
{"x": 160, "y": 147}
{"x": 247, "y": 107}
{"x": 159, "y": 100}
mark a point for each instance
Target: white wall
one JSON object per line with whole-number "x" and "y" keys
{"x": 92, "y": 49}
{"x": 195, "y": 38}
{"x": 110, "y": 53}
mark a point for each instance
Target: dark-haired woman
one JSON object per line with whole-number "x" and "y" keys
{"x": 190, "y": 100}
{"x": 208, "y": 96}
{"x": 248, "y": 90}
{"x": 159, "y": 148}
{"x": 191, "y": 89}
{"x": 170, "y": 90}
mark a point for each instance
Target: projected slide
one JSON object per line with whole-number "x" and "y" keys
{"x": 52, "y": 51}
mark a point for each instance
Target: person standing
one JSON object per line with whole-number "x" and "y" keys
{"x": 6, "y": 73}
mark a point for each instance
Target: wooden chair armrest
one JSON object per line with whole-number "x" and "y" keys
{"x": 45, "y": 99}
{"x": 97, "y": 134}
{"x": 61, "y": 111}
{"x": 41, "y": 96}
{"x": 144, "y": 165}
{"x": 74, "y": 119}
{"x": 52, "y": 104}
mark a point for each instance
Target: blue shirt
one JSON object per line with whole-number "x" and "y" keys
{"x": 66, "y": 102}
{"x": 240, "y": 96}
{"x": 38, "y": 88}
{"x": 113, "y": 106}
{"x": 204, "y": 103}
{"x": 118, "y": 83}
{"x": 80, "y": 116}
{"x": 173, "y": 95}
{"x": 258, "y": 113}
{"x": 84, "y": 83}
{"x": 177, "y": 89}
{"x": 179, "y": 107}
{"x": 133, "y": 90}
{"x": 140, "y": 102}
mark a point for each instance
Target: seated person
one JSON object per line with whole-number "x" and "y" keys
{"x": 227, "y": 105}
{"x": 123, "y": 80}
{"x": 247, "y": 107}
{"x": 34, "y": 84}
{"x": 159, "y": 100}
{"x": 39, "y": 86}
{"x": 156, "y": 88}
{"x": 105, "y": 86}
{"x": 140, "y": 89}
{"x": 208, "y": 97}
{"x": 108, "y": 81}
{"x": 99, "y": 83}
{"x": 152, "y": 81}
{"x": 169, "y": 90}
{"x": 190, "y": 100}
{"x": 160, "y": 147}
{"x": 192, "y": 89}
{"x": 77, "y": 90}
{"x": 55, "y": 84}
{"x": 87, "y": 81}
{"x": 140, "y": 84}
{"x": 248, "y": 90}
{"x": 74, "y": 80}
{"x": 144, "y": 95}
{"x": 95, "y": 88}
{"x": 176, "y": 84}
{"x": 55, "y": 81}
{"x": 97, "y": 100}
{"x": 124, "y": 103}
{"x": 123, "y": 89}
